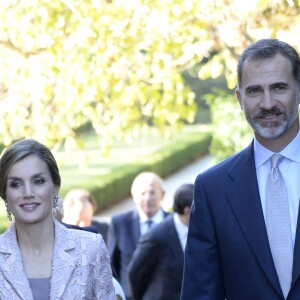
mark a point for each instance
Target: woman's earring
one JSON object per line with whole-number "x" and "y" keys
{"x": 8, "y": 212}
{"x": 56, "y": 204}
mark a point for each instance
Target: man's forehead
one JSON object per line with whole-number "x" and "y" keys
{"x": 267, "y": 71}
{"x": 259, "y": 62}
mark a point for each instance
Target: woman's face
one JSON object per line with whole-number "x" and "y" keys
{"x": 30, "y": 190}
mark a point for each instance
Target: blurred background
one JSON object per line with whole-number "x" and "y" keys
{"x": 116, "y": 87}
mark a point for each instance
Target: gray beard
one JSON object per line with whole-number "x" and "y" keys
{"x": 273, "y": 130}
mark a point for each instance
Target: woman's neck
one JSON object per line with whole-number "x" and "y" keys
{"x": 35, "y": 236}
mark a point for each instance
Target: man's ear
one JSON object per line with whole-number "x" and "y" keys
{"x": 238, "y": 96}
{"x": 187, "y": 210}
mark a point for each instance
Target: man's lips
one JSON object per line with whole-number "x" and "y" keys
{"x": 268, "y": 117}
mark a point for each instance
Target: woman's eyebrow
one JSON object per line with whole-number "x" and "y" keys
{"x": 34, "y": 176}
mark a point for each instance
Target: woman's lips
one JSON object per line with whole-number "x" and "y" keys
{"x": 29, "y": 206}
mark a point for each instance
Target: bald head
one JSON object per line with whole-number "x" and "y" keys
{"x": 147, "y": 192}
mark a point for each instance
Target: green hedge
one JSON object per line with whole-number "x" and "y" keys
{"x": 163, "y": 162}
{"x": 115, "y": 186}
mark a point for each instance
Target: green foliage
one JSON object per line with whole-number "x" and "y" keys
{"x": 114, "y": 64}
{"x": 110, "y": 178}
{"x": 4, "y": 223}
{"x": 118, "y": 65}
{"x": 170, "y": 157}
{"x": 231, "y": 131}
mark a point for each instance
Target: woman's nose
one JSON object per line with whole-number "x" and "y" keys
{"x": 28, "y": 191}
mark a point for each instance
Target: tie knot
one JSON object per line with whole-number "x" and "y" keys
{"x": 276, "y": 159}
{"x": 149, "y": 222}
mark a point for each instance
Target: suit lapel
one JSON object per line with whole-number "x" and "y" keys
{"x": 175, "y": 243}
{"x": 64, "y": 262}
{"x": 12, "y": 266}
{"x": 296, "y": 263}
{"x": 134, "y": 229}
{"x": 243, "y": 197}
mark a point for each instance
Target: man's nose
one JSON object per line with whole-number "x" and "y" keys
{"x": 267, "y": 101}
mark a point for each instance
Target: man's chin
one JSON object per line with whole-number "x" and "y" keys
{"x": 270, "y": 133}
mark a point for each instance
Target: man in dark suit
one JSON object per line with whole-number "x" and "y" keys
{"x": 230, "y": 252}
{"x": 125, "y": 229}
{"x": 156, "y": 268}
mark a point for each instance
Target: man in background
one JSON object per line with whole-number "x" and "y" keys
{"x": 125, "y": 229}
{"x": 156, "y": 268}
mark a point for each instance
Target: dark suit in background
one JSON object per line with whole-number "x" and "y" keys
{"x": 124, "y": 234}
{"x": 125, "y": 229}
{"x": 101, "y": 227}
{"x": 156, "y": 268}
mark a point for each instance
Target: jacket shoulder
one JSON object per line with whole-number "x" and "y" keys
{"x": 234, "y": 162}
{"x": 124, "y": 217}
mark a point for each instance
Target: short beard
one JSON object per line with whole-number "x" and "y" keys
{"x": 273, "y": 130}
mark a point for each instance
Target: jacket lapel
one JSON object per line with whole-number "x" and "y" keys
{"x": 11, "y": 264}
{"x": 134, "y": 229}
{"x": 296, "y": 263}
{"x": 175, "y": 243}
{"x": 243, "y": 197}
{"x": 63, "y": 261}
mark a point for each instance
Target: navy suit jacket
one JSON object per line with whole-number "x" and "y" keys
{"x": 156, "y": 268}
{"x": 122, "y": 238}
{"x": 228, "y": 253}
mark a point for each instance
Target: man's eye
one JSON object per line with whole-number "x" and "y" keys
{"x": 253, "y": 91}
{"x": 280, "y": 88}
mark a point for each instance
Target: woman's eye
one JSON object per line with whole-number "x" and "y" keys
{"x": 15, "y": 184}
{"x": 39, "y": 181}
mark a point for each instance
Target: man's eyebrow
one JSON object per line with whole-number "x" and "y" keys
{"x": 251, "y": 87}
{"x": 280, "y": 83}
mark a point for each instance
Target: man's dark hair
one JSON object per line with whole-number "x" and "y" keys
{"x": 268, "y": 48}
{"x": 183, "y": 198}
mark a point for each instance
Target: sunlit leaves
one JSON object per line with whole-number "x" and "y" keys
{"x": 117, "y": 64}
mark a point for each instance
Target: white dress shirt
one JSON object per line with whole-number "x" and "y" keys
{"x": 290, "y": 169}
{"x": 157, "y": 218}
{"x": 182, "y": 230}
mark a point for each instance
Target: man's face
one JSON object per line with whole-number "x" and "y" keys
{"x": 148, "y": 196}
{"x": 269, "y": 96}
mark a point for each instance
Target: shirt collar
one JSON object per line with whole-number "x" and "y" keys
{"x": 158, "y": 217}
{"x": 291, "y": 151}
{"x": 181, "y": 228}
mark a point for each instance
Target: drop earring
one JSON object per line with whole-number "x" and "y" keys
{"x": 8, "y": 212}
{"x": 56, "y": 204}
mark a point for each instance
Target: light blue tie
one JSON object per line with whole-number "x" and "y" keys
{"x": 278, "y": 224}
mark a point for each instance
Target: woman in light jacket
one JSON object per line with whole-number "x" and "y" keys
{"x": 39, "y": 257}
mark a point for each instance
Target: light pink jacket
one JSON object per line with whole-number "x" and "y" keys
{"x": 80, "y": 267}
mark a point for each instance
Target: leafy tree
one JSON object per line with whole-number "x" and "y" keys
{"x": 118, "y": 64}
{"x": 114, "y": 64}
